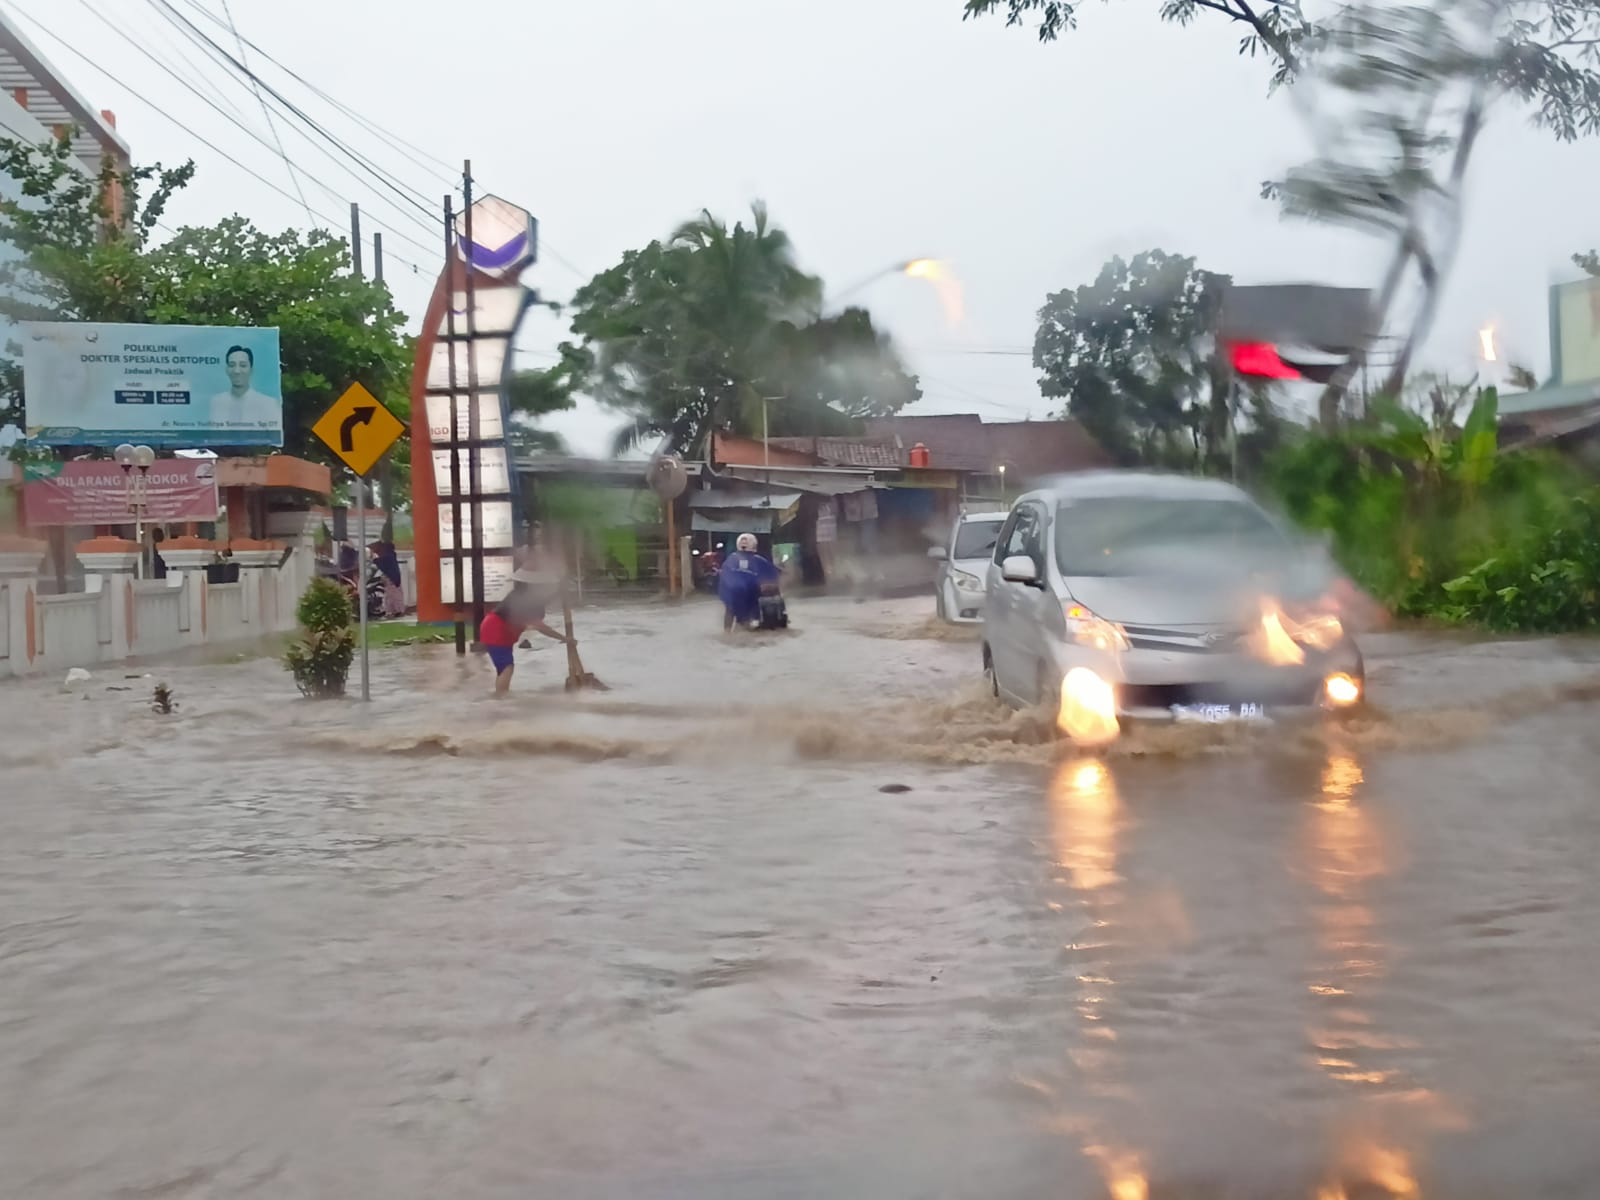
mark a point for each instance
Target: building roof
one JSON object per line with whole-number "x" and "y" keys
{"x": 955, "y": 441}
{"x": 1031, "y": 449}
{"x": 749, "y": 452}
{"x": 966, "y": 442}
{"x": 1551, "y": 399}
{"x": 846, "y": 451}
{"x": 28, "y": 78}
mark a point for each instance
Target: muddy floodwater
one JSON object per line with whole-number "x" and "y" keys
{"x": 796, "y": 915}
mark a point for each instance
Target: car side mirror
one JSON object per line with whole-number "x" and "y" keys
{"x": 938, "y": 552}
{"x": 1019, "y": 568}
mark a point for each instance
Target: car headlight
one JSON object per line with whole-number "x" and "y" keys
{"x": 1086, "y": 629}
{"x": 967, "y": 583}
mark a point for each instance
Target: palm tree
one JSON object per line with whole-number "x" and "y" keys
{"x": 743, "y": 290}
{"x": 688, "y": 335}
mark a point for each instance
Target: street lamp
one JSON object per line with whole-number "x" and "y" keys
{"x": 137, "y": 487}
{"x": 916, "y": 268}
{"x": 1002, "y": 485}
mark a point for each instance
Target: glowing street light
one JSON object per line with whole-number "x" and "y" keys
{"x": 930, "y": 270}
{"x": 1486, "y": 346}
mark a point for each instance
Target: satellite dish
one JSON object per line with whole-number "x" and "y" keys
{"x": 667, "y": 476}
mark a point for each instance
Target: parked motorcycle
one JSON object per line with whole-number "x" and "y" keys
{"x": 374, "y": 593}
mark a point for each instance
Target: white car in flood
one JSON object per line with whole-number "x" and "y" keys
{"x": 1123, "y": 595}
{"x": 962, "y": 578}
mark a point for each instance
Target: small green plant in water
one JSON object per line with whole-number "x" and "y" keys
{"x": 163, "y": 700}
{"x": 320, "y": 658}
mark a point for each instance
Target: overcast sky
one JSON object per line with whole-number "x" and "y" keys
{"x": 876, "y": 130}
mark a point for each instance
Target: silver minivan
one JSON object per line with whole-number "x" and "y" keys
{"x": 959, "y": 583}
{"x": 1124, "y": 595}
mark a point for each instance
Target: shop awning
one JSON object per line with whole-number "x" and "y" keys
{"x": 742, "y": 511}
{"x": 730, "y": 520}
{"x": 819, "y": 482}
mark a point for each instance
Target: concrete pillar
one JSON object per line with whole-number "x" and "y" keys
{"x": 109, "y": 567}
{"x": 258, "y": 571}
{"x": 20, "y": 559}
{"x": 187, "y": 559}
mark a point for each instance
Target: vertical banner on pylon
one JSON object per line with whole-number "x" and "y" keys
{"x": 463, "y": 474}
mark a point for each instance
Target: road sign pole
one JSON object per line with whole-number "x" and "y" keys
{"x": 360, "y": 430}
{"x": 361, "y": 582}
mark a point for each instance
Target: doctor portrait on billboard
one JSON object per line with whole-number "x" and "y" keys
{"x": 241, "y": 405}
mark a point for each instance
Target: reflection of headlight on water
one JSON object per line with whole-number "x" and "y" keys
{"x": 1088, "y": 712}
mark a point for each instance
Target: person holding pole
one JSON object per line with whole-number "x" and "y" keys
{"x": 502, "y": 629}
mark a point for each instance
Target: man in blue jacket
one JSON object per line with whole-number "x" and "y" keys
{"x": 739, "y": 584}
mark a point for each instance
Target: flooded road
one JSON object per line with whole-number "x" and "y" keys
{"x": 677, "y": 940}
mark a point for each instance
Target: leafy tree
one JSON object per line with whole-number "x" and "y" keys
{"x": 1415, "y": 86}
{"x": 536, "y": 394}
{"x": 1279, "y": 31}
{"x": 841, "y": 365}
{"x": 335, "y": 327}
{"x": 74, "y": 264}
{"x": 77, "y": 242}
{"x": 1133, "y": 355}
{"x": 1403, "y": 94}
{"x": 703, "y": 330}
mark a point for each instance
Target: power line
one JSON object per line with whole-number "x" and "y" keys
{"x": 387, "y": 179}
{"x": 62, "y": 42}
{"x": 408, "y": 150}
{"x": 266, "y": 112}
{"x": 394, "y": 140}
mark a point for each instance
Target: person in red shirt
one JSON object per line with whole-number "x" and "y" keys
{"x": 503, "y": 628}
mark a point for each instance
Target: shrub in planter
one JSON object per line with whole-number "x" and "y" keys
{"x": 320, "y": 658}
{"x": 324, "y": 606}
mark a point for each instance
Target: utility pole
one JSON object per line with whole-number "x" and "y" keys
{"x": 355, "y": 237}
{"x": 377, "y": 257}
{"x": 455, "y": 424}
{"x": 474, "y": 431}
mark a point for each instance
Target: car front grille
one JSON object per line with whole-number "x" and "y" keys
{"x": 1193, "y": 640}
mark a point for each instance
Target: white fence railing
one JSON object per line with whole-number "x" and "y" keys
{"x": 69, "y": 628}
{"x": 123, "y": 617}
{"x": 225, "y": 611}
{"x": 158, "y": 617}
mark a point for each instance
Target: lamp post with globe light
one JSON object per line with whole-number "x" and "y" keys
{"x": 128, "y": 457}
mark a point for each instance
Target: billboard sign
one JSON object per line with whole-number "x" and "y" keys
{"x": 1575, "y": 331}
{"x": 185, "y": 386}
{"x": 98, "y": 493}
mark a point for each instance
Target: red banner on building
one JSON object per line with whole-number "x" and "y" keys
{"x": 101, "y": 493}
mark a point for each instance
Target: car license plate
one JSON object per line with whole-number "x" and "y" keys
{"x": 1218, "y": 713}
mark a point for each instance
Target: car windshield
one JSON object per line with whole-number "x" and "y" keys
{"x": 1132, "y": 535}
{"x": 975, "y": 539}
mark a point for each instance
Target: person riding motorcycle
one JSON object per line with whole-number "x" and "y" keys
{"x": 743, "y": 576}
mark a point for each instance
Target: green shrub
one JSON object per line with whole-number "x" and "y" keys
{"x": 320, "y": 658}
{"x": 320, "y": 662}
{"x": 324, "y": 607}
{"x": 1435, "y": 523}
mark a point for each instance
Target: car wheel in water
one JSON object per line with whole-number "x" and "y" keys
{"x": 989, "y": 673}
{"x": 1048, "y": 689}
